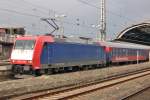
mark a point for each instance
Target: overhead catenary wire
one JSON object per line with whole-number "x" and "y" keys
{"x": 35, "y": 5}
{"x": 49, "y": 10}
{"x": 92, "y": 5}
{"x": 26, "y": 6}
{"x": 20, "y": 13}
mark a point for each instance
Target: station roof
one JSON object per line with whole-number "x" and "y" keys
{"x": 139, "y": 33}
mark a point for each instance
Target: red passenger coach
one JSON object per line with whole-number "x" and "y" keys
{"x": 126, "y": 52}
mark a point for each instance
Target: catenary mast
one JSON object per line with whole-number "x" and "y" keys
{"x": 103, "y": 21}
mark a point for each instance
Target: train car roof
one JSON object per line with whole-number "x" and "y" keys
{"x": 124, "y": 45}
{"x": 26, "y": 38}
{"x": 32, "y": 37}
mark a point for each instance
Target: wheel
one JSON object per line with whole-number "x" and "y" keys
{"x": 37, "y": 72}
{"x": 13, "y": 68}
{"x": 49, "y": 71}
{"x": 12, "y": 76}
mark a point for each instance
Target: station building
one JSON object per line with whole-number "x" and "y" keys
{"x": 7, "y": 37}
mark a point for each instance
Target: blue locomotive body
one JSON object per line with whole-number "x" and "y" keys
{"x": 72, "y": 53}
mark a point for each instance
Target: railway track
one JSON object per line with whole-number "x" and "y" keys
{"x": 135, "y": 93}
{"x": 81, "y": 89}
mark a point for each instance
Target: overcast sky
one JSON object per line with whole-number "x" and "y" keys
{"x": 120, "y": 14}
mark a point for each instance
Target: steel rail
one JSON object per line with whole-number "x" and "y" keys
{"x": 135, "y": 93}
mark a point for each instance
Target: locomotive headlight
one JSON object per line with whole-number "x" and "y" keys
{"x": 30, "y": 61}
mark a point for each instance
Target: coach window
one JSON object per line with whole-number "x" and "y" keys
{"x": 116, "y": 52}
{"x": 129, "y": 51}
{"x": 113, "y": 52}
{"x": 126, "y": 52}
{"x": 132, "y": 52}
{"x": 135, "y": 52}
{"x": 121, "y": 51}
{"x": 141, "y": 52}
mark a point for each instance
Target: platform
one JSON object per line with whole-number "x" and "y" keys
{"x": 5, "y": 71}
{"x": 5, "y": 67}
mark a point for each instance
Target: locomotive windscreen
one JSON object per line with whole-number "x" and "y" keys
{"x": 24, "y": 44}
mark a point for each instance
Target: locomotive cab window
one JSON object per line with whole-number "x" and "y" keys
{"x": 24, "y": 44}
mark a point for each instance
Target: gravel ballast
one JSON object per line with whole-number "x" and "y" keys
{"x": 22, "y": 86}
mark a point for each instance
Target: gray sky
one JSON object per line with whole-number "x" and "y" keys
{"x": 120, "y": 14}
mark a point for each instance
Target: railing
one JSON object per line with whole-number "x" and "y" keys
{"x": 7, "y": 38}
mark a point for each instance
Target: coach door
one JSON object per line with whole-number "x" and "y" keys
{"x": 149, "y": 55}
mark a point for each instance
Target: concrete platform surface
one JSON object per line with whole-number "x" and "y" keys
{"x": 5, "y": 67}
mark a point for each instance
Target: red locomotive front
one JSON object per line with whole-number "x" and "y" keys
{"x": 26, "y": 52}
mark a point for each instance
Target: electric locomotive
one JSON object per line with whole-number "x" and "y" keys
{"x": 42, "y": 54}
